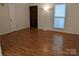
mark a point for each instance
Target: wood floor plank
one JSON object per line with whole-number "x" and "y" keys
{"x": 36, "y": 42}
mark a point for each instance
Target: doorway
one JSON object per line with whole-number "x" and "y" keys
{"x": 33, "y": 16}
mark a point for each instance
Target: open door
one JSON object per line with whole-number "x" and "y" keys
{"x": 33, "y": 16}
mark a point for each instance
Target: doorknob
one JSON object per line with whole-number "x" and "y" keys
{"x": 10, "y": 19}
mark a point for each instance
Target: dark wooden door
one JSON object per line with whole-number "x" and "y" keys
{"x": 33, "y": 16}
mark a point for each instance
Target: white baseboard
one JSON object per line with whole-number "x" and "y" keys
{"x": 58, "y": 31}
{"x": 42, "y": 29}
{"x": 13, "y": 31}
{"x": 5, "y": 33}
{"x": 22, "y": 28}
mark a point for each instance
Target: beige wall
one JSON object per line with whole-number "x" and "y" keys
{"x": 45, "y": 19}
{"x": 72, "y": 19}
{"x": 21, "y": 17}
{"x": 41, "y": 15}
{"x": 4, "y": 19}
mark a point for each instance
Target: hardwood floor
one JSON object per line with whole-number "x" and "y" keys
{"x": 36, "y": 42}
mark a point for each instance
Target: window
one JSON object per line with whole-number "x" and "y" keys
{"x": 59, "y": 16}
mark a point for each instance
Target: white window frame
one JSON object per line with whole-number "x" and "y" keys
{"x": 59, "y": 16}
